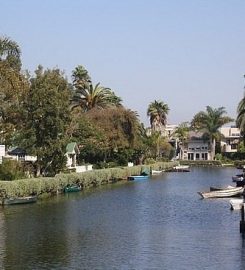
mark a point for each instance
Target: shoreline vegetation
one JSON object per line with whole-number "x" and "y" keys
{"x": 47, "y": 186}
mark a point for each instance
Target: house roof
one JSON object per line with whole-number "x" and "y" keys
{"x": 72, "y": 148}
{"x": 17, "y": 151}
{"x": 195, "y": 135}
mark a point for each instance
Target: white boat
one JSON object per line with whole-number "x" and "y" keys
{"x": 236, "y": 204}
{"x": 182, "y": 168}
{"x": 227, "y": 192}
{"x": 220, "y": 188}
{"x": 156, "y": 172}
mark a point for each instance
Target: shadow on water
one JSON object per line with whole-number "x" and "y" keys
{"x": 156, "y": 224}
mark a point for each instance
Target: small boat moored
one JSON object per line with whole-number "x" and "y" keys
{"x": 156, "y": 172}
{"x": 227, "y": 192}
{"x": 138, "y": 177}
{"x": 19, "y": 200}
{"x": 179, "y": 168}
{"x": 72, "y": 188}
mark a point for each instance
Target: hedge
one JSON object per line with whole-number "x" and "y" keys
{"x": 43, "y": 185}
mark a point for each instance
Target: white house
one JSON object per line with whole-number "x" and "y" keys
{"x": 230, "y": 139}
{"x": 72, "y": 151}
{"x": 195, "y": 148}
{"x": 71, "y": 154}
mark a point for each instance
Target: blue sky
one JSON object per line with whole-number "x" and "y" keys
{"x": 187, "y": 53}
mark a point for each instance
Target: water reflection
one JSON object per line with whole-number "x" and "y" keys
{"x": 156, "y": 224}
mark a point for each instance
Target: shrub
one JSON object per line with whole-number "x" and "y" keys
{"x": 11, "y": 170}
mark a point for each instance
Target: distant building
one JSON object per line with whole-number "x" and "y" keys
{"x": 20, "y": 154}
{"x": 72, "y": 151}
{"x": 196, "y": 147}
{"x": 230, "y": 139}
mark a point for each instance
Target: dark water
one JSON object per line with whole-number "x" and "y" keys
{"x": 157, "y": 224}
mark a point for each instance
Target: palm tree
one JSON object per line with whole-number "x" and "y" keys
{"x": 240, "y": 120}
{"x": 157, "y": 111}
{"x": 95, "y": 97}
{"x": 210, "y": 121}
{"x": 81, "y": 78}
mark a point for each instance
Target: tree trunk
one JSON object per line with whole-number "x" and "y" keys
{"x": 212, "y": 144}
{"x": 38, "y": 169}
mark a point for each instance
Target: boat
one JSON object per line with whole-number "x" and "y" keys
{"x": 138, "y": 177}
{"x": 18, "y": 200}
{"x": 179, "y": 168}
{"x": 72, "y": 188}
{"x": 220, "y": 188}
{"x": 156, "y": 172}
{"x": 238, "y": 177}
{"x": 227, "y": 192}
{"x": 236, "y": 204}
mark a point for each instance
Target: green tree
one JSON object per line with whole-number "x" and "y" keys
{"x": 10, "y": 53}
{"x": 81, "y": 78}
{"x": 240, "y": 120}
{"x": 13, "y": 89}
{"x": 157, "y": 111}
{"x": 87, "y": 96}
{"x": 95, "y": 97}
{"x": 210, "y": 121}
{"x": 47, "y": 116}
{"x": 181, "y": 132}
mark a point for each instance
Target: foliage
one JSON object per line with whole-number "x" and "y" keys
{"x": 11, "y": 170}
{"x": 182, "y": 131}
{"x": 81, "y": 78}
{"x": 13, "y": 90}
{"x": 120, "y": 126}
{"x": 87, "y": 179}
{"x": 241, "y": 147}
{"x": 157, "y": 111}
{"x": 87, "y": 96}
{"x": 240, "y": 120}
{"x": 210, "y": 121}
{"x": 46, "y": 116}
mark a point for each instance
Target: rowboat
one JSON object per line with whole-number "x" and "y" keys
{"x": 19, "y": 200}
{"x": 227, "y": 192}
{"x": 236, "y": 204}
{"x": 156, "y": 172}
{"x": 179, "y": 168}
{"x": 72, "y": 188}
{"x": 220, "y": 188}
{"x": 138, "y": 177}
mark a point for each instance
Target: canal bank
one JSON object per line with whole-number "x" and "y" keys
{"x": 46, "y": 186}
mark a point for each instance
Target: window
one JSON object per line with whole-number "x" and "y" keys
{"x": 197, "y": 156}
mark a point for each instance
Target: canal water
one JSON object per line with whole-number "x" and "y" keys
{"x": 161, "y": 223}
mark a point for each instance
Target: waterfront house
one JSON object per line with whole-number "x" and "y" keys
{"x": 230, "y": 140}
{"x": 20, "y": 154}
{"x": 72, "y": 151}
{"x": 196, "y": 147}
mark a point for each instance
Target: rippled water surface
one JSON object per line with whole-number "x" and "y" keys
{"x": 154, "y": 224}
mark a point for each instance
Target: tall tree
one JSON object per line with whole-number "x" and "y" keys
{"x": 10, "y": 53}
{"x": 210, "y": 121}
{"x": 13, "y": 89}
{"x": 81, "y": 78}
{"x": 157, "y": 111}
{"x": 87, "y": 96}
{"x": 47, "y": 116}
{"x": 95, "y": 97}
{"x": 240, "y": 120}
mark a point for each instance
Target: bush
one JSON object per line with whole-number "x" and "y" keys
{"x": 11, "y": 170}
{"x": 86, "y": 179}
